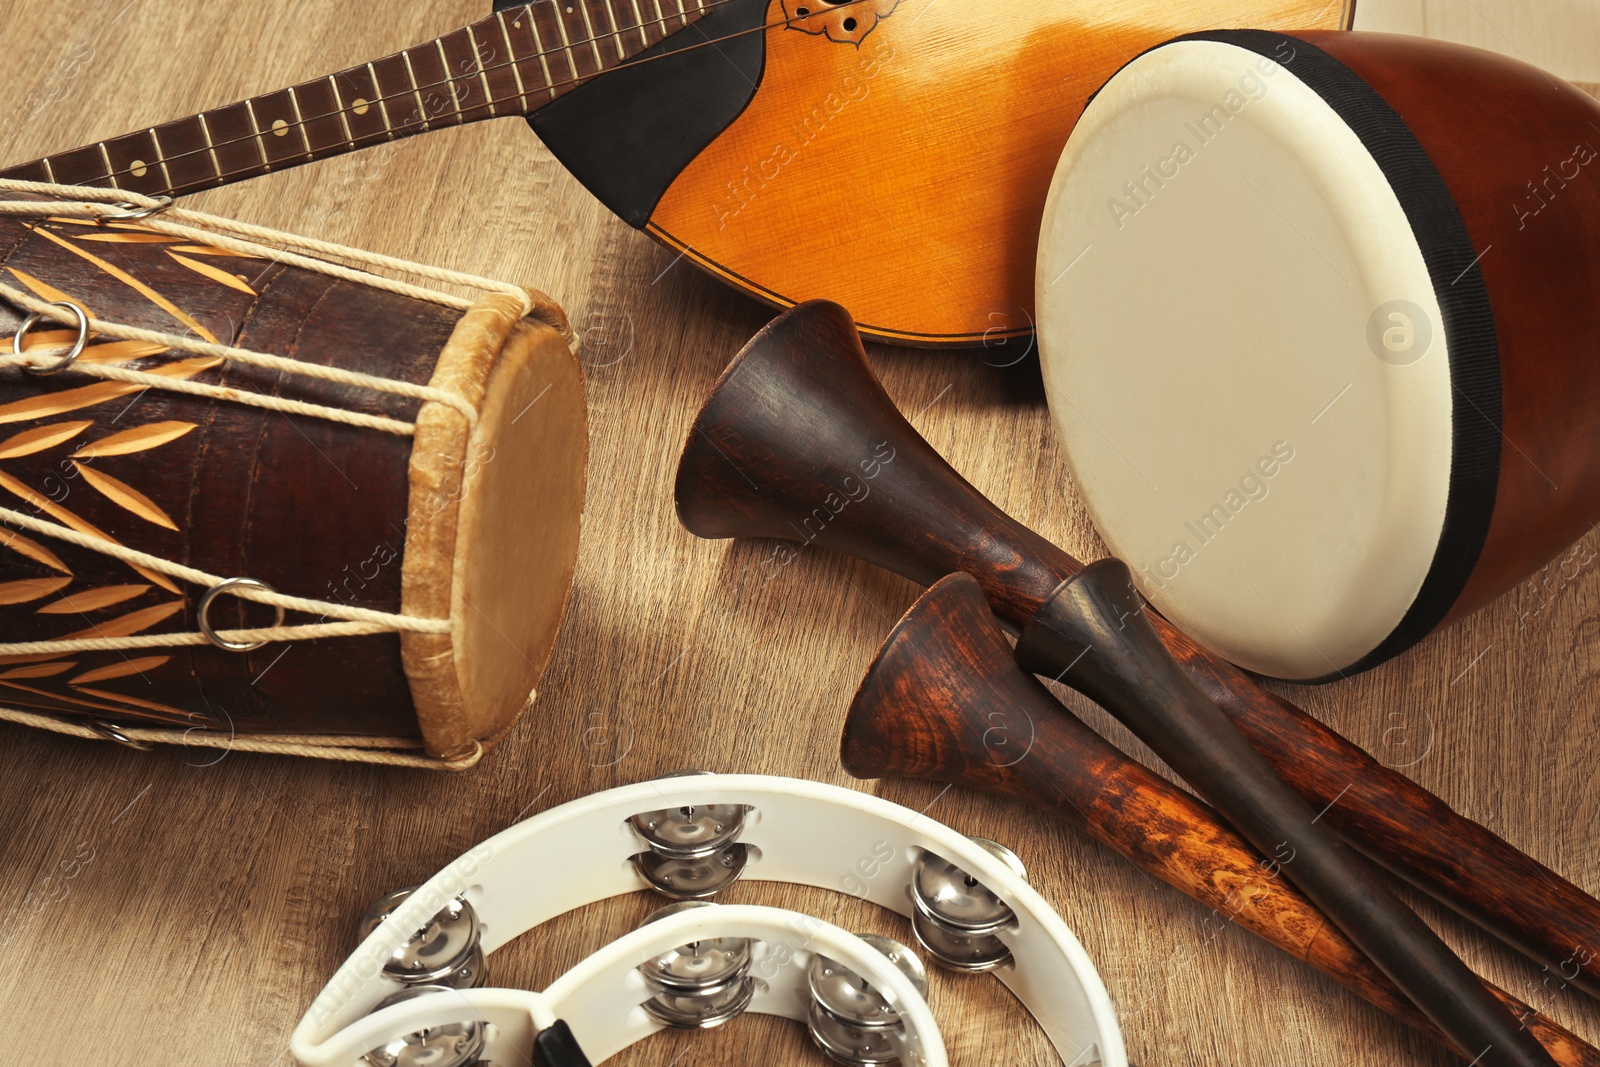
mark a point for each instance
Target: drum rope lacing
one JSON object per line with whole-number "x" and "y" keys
{"x": 351, "y": 749}
{"x": 356, "y": 621}
{"x": 255, "y": 241}
{"x": 158, "y": 214}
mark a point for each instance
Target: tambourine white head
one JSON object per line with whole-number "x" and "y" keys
{"x": 692, "y": 835}
{"x": 1245, "y": 358}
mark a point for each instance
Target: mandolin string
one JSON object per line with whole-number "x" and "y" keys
{"x": 224, "y": 177}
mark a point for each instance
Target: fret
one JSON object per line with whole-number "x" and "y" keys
{"x": 615, "y": 33}
{"x": 553, "y": 41}
{"x": 185, "y": 153}
{"x": 299, "y": 122}
{"x": 111, "y": 172}
{"x": 161, "y": 158}
{"x": 403, "y": 105}
{"x": 447, "y": 77}
{"x": 316, "y": 106}
{"x": 514, "y": 60}
{"x": 236, "y": 140}
{"x": 499, "y": 87}
{"x": 683, "y": 15}
{"x": 582, "y": 66}
{"x": 416, "y": 91}
{"x": 662, "y": 6}
{"x": 279, "y": 129}
{"x": 638, "y": 18}
{"x": 462, "y": 68}
{"x": 361, "y": 106}
{"x": 134, "y": 162}
{"x": 436, "y": 90}
{"x": 80, "y": 166}
{"x": 539, "y": 49}
{"x": 594, "y": 39}
{"x": 342, "y": 112}
{"x": 211, "y": 146}
{"x": 39, "y": 170}
{"x": 261, "y": 142}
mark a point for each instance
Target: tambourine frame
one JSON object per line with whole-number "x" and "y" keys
{"x": 801, "y": 832}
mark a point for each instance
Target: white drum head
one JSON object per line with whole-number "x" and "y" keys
{"x": 1246, "y": 359}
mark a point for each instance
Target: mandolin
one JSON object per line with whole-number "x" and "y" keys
{"x": 778, "y": 144}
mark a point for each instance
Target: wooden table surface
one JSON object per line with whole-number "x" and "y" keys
{"x": 183, "y": 907}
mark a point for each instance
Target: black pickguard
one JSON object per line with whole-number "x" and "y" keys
{"x": 628, "y": 134}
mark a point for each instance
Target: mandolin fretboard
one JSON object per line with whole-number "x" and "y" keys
{"x": 511, "y": 63}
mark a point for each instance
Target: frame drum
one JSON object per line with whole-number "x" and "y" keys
{"x": 1306, "y": 305}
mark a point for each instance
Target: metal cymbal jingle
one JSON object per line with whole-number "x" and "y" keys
{"x": 445, "y": 951}
{"x": 450, "y": 1045}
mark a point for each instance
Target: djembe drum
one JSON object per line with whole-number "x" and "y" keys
{"x": 1316, "y": 320}
{"x": 259, "y": 498}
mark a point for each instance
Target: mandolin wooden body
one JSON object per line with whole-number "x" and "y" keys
{"x": 898, "y": 166}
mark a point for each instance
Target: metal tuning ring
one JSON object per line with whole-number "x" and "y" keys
{"x": 451, "y": 1045}
{"x": 112, "y": 732}
{"x": 850, "y": 1020}
{"x": 204, "y": 613}
{"x": 699, "y": 985}
{"x": 133, "y": 212}
{"x": 957, "y": 919}
{"x": 445, "y": 952}
{"x": 64, "y": 357}
{"x": 693, "y": 850}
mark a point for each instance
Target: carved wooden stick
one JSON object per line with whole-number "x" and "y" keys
{"x": 800, "y": 442}
{"x": 944, "y": 700}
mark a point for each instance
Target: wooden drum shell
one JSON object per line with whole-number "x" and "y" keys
{"x": 427, "y": 526}
{"x": 1493, "y": 125}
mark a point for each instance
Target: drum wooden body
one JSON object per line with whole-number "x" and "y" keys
{"x": 1317, "y": 328}
{"x": 471, "y": 520}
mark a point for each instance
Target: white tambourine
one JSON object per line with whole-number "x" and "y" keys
{"x": 409, "y": 995}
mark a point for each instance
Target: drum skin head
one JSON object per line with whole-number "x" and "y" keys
{"x": 1246, "y": 359}
{"x": 495, "y": 513}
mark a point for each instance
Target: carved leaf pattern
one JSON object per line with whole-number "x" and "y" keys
{"x": 116, "y": 670}
{"x": 133, "y": 283}
{"x": 125, "y": 495}
{"x": 138, "y": 439}
{"x": 93, "y": 599}
{"x": 46, "y": 291}
{"x": 84, "y": 692}
{"x": 130, "y": 238}
{"x": 211, "y": 250}
{"x": 216, "y": 274}
{"x": 39, "y": 670}
{"x": 40, "y": 337}
{"x": 149, "y": 705}
{"x": 40, "y": 438}
{"x": 59, "y": 403}
{"x": 36, "y": 552}
{"x": 131, "y": 623}
{"x": 31, "y": 589}
{"x": 121, "y": 351}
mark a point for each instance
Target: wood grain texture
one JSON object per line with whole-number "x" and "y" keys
{"x": 158, "y": 908}
{"x": 1562, "y": 36}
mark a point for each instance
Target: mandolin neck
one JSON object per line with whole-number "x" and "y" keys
{"x": 511, "y": 63}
